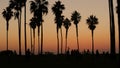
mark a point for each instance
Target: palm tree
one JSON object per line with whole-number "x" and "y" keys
{"x": 66, "y": 24}
{"x": 112, "y": 28}
{"x": 92, "y": 21}
{"x": 76, "y": 19}
{"x": 17, "y": 6}
{"x": 39, "y": 8}
{"x": 57, "y": 9}
{"x": 31, "y": 38}
{"x": 7, "y": 14}
{"x": 61, "y": 19}
{"x": 118, "y": 12}
{"x": 33, "y": 26}
{"x": 24, "y": 2}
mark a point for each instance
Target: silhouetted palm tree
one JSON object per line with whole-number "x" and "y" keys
{"x": 7, "y": 14}
{"x": 76, "y": 19}
{"x": 67, "y": 24}
{"x": 33, "y": 26}
{"x": 61, "y": 19}
{"x": 92, "y": 21}
{"x": 17, "y": 6}
{"x": 31, "y": 37}
{"x": 112, "y": 28}
{"x": 24, "y": 2}
{"x": 39, "y": 8}
{"x": 118, "y": 12}
{"x": 57, "y": 9}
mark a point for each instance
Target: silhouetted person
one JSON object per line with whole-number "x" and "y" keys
{"x": 28, "y": 53}
{"x": 97, "y": 53}
{"x": 75, "y": 53}
{"x": 68, "y": 51}
{"x": 15, "y": 53}
{"x": 88, "y": 52}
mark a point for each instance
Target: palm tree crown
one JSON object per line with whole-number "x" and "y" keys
{"x": 92, "y": 21}
{"x": 7, "y": 14}
{"x": 39, "y": 8}
{"x": 67, "y": 23}
{"x": 33, "y": 23}
{"x": 17, "y": 4}
{"x": 58, "y": 8}
{"x": 76, "y": 17}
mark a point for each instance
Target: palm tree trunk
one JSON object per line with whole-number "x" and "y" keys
{"x": 112, "y": 28}
{"x": 25, "y": 28}
{"x": 92, "y": 41}
{"x": 66, "y": 41}
{"x": 57, "y": 40}
{"x": 118, "y": 3}
{"x": 7, "y": 24}
{"x": 31, "y": 40}
{"x": 61, "y": 40}
{"x": 77, "y": 37}
{"x": 20, "y": 34}
{"x": 41, "y": 38}
{"x": 38, "y": 40}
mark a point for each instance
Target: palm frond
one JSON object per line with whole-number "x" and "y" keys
{"x": 76, "y": 17}
{"x": 33, "y": 6}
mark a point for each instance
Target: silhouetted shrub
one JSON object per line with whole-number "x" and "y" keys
{"x": 7, "y": 53}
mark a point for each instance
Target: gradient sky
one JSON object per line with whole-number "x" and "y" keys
{"x": 85, "y": 7}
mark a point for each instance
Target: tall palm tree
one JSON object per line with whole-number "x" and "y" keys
{"x": 33, "y": 26}
{"x": 76, "y": 19}
{"x": 17, "y": 6}
{"x": 92, "y": 21}
{"x": 112, "y": 28}
{"x": 57, "y": 9}
{"x": 39, "y": 8}
{"x": 7, "y": 14}
{"x": 31, "y": 38}
{"x": 66, "y": 24}
{"x": 118, "y": 12}
{"x": 61, "y": 19}
{"x": 24, "y": 3}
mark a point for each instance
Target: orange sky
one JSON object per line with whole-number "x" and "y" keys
{"x": 85, "y": 7}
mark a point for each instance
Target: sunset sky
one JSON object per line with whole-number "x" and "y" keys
{"x": 99, "y": 8}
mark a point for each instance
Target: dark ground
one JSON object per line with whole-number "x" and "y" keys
{"x": 83, "y": 61}
{"x": 59, "y": 61}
